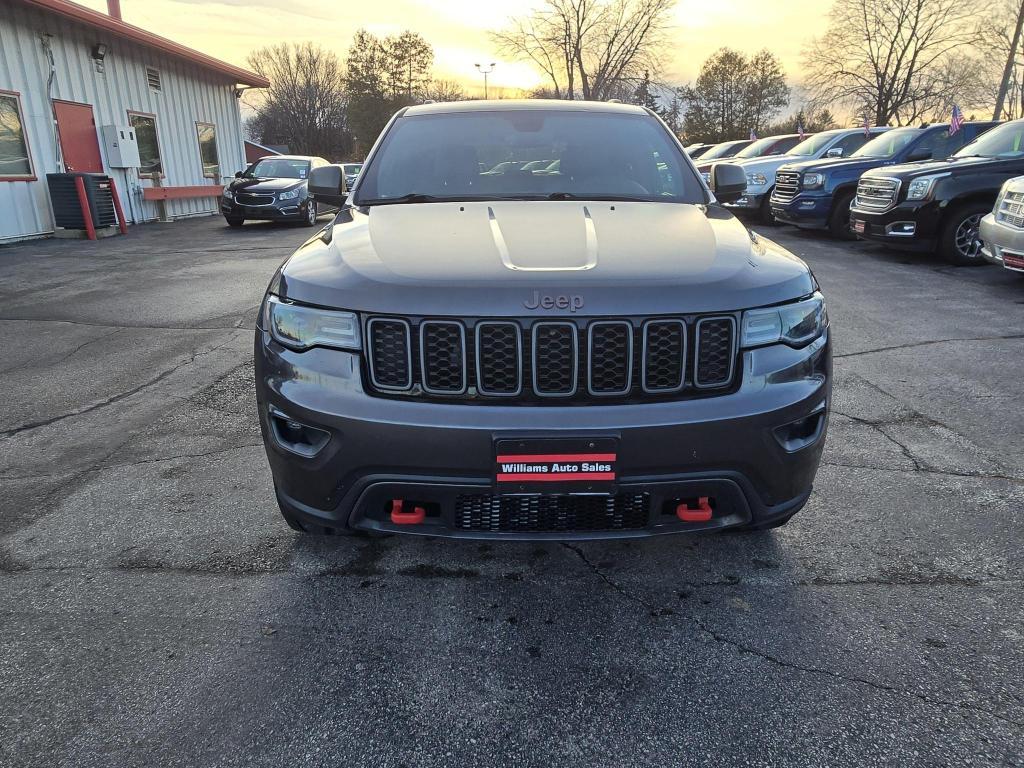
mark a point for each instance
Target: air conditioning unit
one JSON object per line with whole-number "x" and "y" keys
{"x": 67, "y": 209}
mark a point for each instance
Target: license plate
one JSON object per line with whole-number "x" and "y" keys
{"x": 541, "y": 465}
{"x": 859, "y": 226}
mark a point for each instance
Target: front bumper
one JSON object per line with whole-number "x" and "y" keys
{"x": 910, "y": 226}
{"x": 1002, "y": 244}
{"x": 808, "y": 210}
{"x": 290, "y": 210}
{"x": 751, "y": 201}
{"x": 729, "y": 447}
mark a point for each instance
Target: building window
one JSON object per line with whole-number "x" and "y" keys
{"x": 208, "y": 148}
{"x": 150, "y": 163}
{"x": 153, "y": 78}
{"x": 15, "y": 161}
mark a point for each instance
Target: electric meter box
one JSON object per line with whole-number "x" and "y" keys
{"x": 122, "y": 150}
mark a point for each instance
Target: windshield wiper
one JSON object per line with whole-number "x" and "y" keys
{"x": 411, "y": 197}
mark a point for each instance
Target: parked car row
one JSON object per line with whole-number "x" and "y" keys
{"x": 914, "y": 188}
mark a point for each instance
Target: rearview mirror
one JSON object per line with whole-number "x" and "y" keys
{"x": 728, "y": 182}
{"x": 835, "y": 152}
{"x": 327, "y": 185}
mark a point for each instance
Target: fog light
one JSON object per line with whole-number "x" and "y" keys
{"x": 806, "y": 203}
{"x": 901, "y": 228}
{"x": 802, "y": 432}
{"x": 295, "y": 436}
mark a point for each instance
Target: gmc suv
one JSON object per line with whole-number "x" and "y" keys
{"x": 938, "y": 207}
{"x": 818, "y": 194}
{"x": 598, "y": 351}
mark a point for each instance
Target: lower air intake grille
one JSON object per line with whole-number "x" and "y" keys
{"x": 715, "y": 351}
{"x": 485, "y": 512}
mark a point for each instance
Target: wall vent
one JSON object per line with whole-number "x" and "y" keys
{"x": 153, "y": 78}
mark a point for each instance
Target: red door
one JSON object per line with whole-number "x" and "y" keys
{"x": 78, "y": 141}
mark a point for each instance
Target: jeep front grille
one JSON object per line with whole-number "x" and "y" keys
{"x": 487, "y": 512}
{"x": 876, "y": 194}
{"x": 1011, "y": 210}
{"x": 787, "y": 186}
{"x": 536, "y": 361}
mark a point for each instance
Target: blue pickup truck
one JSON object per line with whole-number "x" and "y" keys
{"x": 817, "y": 194}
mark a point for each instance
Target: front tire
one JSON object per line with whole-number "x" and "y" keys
{"x": 839, "y": 223}
{"x": 767, "y": 217}
{"x": 959, "y": 242}
{"x": 234, "y": 221}
{"x": 309, "y": 215}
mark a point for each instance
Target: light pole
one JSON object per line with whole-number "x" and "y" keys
{"x": 485, "y": 71}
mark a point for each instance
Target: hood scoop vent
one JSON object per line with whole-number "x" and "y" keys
{"x": 568, "y": 259}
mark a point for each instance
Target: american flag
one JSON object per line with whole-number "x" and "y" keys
{"x": 956, "y": 121}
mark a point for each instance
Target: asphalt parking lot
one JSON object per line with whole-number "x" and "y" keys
{"x": 156, "y": 610}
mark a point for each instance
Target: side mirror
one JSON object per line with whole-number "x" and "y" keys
{"x": 835, "y": 152}
{"x": 238, "y": 174}
{"x": 919, "y": 154}
{"x": 327, "y": 185}
{"x": 728, "y": 182}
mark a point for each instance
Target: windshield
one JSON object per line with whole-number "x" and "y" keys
{"x": 812, "y": 145}
{"x": 527, "y": 154}
{"x": 352, "y": 168}
{"x": 1006, "y": 140}
{"x": 758, "y": 148}
{"x": 278, "y": 168}
{"x": 888, "y": 143}
{"x": 728, "y": 149}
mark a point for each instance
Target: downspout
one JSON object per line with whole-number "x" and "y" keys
{"x": 44, "y": 40}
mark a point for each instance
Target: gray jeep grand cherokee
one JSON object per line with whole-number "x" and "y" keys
{"x": 600, "y": 350}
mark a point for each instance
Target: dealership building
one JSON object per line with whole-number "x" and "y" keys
{"x": 82, "y": 90}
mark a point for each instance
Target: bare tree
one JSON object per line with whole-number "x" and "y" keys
{"x": 888, "y": 57}
{"x": 444, "y": 90}
{"x": 590, "y": 48}
{"x": 305, "y": 106}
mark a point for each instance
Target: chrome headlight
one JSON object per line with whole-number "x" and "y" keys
{"x": 813, "y": 180}
{"x": 1002, "y": 195}
{"x": 919, "y": 189}
{"x": 291, "y": 195}
{"x": 226, "y": 194}
{"x": 299, "y": 327}
{"x": 756, "y": 179}
{"x": 796, "y": 324}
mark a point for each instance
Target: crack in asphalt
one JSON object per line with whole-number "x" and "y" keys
{"x": 929, "y": 471}
{"x": 721, "y": 639}
{"x": 914, "y": 344}
{"x": 38, "y": 363}
{"x": 194, "y": 328}
{"x": 127, "y": 464}
{"x": 121, "y": 395}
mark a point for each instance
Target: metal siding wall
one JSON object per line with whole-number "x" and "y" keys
{"x": 189, "y": 94}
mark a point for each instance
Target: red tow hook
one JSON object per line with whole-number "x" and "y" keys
{"x": 700, "y": 514}
{"x": 398, "y": 517}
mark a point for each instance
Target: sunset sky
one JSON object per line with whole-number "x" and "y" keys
{"x": 230, "y": 29}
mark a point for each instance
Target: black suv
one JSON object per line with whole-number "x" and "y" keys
{"x": 274, "y": 188}
{"x": 938, "y": 206}
{"x": 598, "y": 351}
